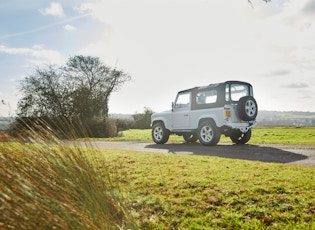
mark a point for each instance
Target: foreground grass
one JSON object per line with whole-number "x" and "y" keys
{"x": 195, "y": 192}
{"x": 260, "y": 135}
{"x": 51, "y": 186}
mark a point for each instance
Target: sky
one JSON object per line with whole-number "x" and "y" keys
{"x": 166, "y": 46}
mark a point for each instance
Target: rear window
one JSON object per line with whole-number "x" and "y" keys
{"x": 206, "y": 97}
{"x": 238, "y": 91}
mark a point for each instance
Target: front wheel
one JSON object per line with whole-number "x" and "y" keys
{"x": 241, "y": 138}
{"x": 208, "y": 133}
{"x": 160, "y": 134}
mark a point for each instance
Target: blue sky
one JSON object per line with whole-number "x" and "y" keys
{"x": 167, "y": 46}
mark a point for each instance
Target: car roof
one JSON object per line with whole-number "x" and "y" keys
{"x": 214, "y": 85}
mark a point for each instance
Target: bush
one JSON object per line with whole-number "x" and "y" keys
{"x": 124, "y": 124}
{"x": 4, "y": 136}
{"x": 143, "y": 120}
{"x": 64, "y": 127}
{"x": 104, "y": 127}
{"x": 60, "y": 127}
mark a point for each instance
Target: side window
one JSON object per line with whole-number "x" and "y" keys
{"x": 206, "y": 97}
{"x": 182, "y": 100}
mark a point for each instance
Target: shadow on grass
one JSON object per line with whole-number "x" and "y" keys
{"x": 243, "y": 152}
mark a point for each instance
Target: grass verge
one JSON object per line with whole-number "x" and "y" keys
{"x": 52, "y": 186}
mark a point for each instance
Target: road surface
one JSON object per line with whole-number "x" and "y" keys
{"x": 288, "y": 154}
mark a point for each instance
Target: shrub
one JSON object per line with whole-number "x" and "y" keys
{"x": 65, "y": 127}
{"x": 104, "y": 127}
{"x": 4, "y": 136}
{"x": 124, "y": 124}
{"x": 143, "y": 120}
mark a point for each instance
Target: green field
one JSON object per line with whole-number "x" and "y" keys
{"x": 165, "y": 191}
{"x": 260, "y": 135}
{"x": 45, "y": 186}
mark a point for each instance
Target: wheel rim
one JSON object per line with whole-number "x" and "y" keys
{"x": 239, "y": 138}
{"x": 158, "y": 133}
{"x": 188, "y": 136}
{"x": 206, "y": 134}
{"x": 250, "y": 108}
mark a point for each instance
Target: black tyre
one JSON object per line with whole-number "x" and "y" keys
{"x": 190, "y": 137}
{"x": 160, "y": 135}
{"x": 247, "y": 108}
{"x": 208, "y": 133}
{"x": 241, "y": 138}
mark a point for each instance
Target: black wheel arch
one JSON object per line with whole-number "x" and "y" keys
{"x": 158, "y": 121}
{"x": 166, "y": 132}
{"x": 208, "y": 119}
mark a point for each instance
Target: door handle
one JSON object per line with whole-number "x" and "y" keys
{"x": 185, "y": 115}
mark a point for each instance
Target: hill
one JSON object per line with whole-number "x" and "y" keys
{"x": 291, "y": 118}
{"x": 5, "y": 122}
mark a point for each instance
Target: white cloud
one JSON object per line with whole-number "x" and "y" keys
{"x": 173, "y": 29}
{"x": 289, "y": 36}
{"x": 84, "y": 8}
{"x": 70, "y": 28}
{"x": 55, "y": 9}
{"x": 296, "y": 86}
{"x": 38, "y": 54}
{"x": 173, "y": 45}
{"x": 45, "y": 27}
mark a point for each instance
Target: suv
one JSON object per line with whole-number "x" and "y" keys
{"x": 206, "y": 112}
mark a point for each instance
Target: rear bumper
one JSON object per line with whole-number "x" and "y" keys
{"x": 243, "y": 127}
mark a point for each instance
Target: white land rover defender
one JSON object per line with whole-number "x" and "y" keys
{"x": 206, "y": 112}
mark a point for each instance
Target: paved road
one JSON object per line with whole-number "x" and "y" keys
{"x": 288, "y": 154}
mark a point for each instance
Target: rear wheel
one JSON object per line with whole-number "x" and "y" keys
{"x": 241, "y": 138}
{"x": 160, "y": 135}
{"x": 208, "y": 133}
{"x": 190, "y": 137}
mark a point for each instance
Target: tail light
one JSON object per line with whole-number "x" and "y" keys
{"x": 227, "y": 113}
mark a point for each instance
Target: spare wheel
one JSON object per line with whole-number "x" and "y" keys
{"x": 247, "y": 108}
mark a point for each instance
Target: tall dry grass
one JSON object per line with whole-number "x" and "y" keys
{"x": 45, "y": 184}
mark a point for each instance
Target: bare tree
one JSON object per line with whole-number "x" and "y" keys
{"x": 81, "y": 87}
{"x": 45, "y": 94}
